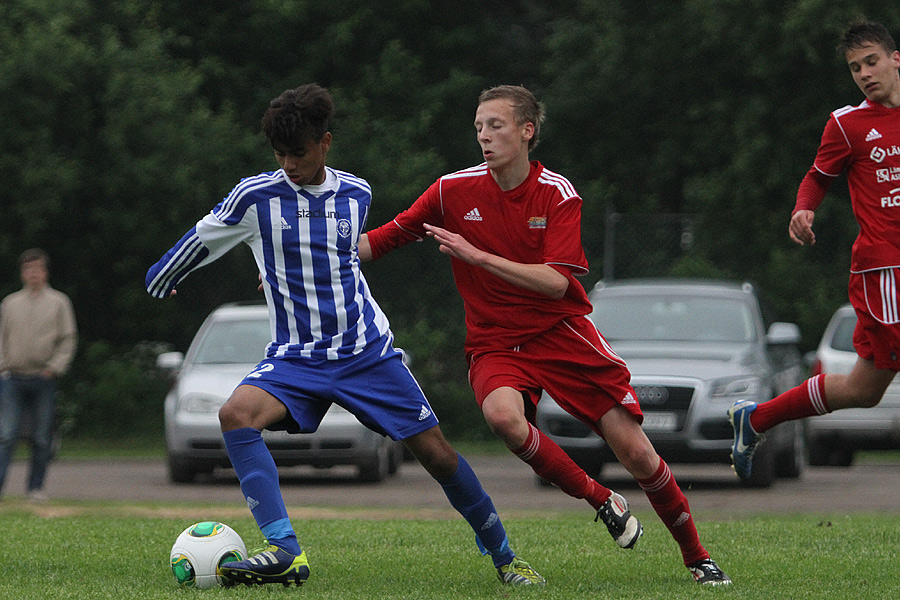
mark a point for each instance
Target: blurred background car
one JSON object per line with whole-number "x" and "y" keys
{"x": 835, "y": 438}
{"x": 693, "y": 349}
{"x": 228, "y": 345}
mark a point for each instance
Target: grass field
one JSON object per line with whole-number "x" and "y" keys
{"x": 116, "y": 551}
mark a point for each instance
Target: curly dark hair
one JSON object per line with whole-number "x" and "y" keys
{"x": 298, "y": 116}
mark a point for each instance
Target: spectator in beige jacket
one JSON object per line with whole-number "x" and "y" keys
{"x": 38, "y": 338}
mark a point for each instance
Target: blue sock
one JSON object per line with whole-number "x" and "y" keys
{"x": 256, "y": 470}
{"x": 468, "y": 497}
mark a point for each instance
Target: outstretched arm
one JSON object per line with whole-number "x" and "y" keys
{"x": 539, "y": 278}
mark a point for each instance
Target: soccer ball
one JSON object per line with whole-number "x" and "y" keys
{"x": 199, "y": 551}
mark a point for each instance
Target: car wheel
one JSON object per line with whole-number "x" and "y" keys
{"x": 181, "y": 470}
{"x": 376, "y": 467}
{"x": 396, "y": 457}
{"x": 792, "y": 462}
{"x": 818, "y": 454}
{"x": 823, "y": 455}
{"x": 763, "y": 473}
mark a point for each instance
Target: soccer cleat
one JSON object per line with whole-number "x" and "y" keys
{"x": 272, "y": 565}
{"x": 745, "y": 438}
{"x": 623, "y": 526}
{"x": 707, "y": 572}
{"x": 519, "y": 572}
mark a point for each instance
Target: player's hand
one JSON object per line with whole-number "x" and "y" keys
{"x": 800, "y": 228}
{"x": 259, "y": 288}
{"x": 454, "y": 244}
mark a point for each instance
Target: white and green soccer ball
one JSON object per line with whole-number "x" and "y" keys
{"x": 200, "y": 549}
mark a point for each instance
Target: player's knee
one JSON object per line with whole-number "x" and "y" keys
{"x": 638, "y": 459}
{"x": 231, "y": 416}
{"x": 501, "y": 420}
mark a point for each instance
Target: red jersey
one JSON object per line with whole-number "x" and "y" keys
{"x": 864, "y": 140}
{"x": 538, "y": 222}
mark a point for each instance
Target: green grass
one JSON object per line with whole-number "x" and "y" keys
{"x": 120, "y": 551}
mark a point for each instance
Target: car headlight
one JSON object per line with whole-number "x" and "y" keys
{"x": 730, "y": 388}
{"x": 199, "y": 404}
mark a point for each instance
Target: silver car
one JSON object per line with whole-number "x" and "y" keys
{"x": 835, "y": 437}
{"x": 230, "y": 342}
{"x": 693, "y": 349}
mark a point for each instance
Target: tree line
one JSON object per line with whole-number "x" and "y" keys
{"x": 126, "y": 121}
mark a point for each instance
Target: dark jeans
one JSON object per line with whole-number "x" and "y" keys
{"x": 35, "y": 396}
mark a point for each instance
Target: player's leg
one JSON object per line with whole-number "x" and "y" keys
{"x": 504, "y": 412}
{"x": 380, "y": 390}
{"x": 467, "y": 496}
{"x": 249, "y": 410}
{"x": 636, "y": 453}
{"x": 863, "y": 387}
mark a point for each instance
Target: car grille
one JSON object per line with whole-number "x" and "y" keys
{"x": 567, "y": 427}
{"x": 666, "y": 399}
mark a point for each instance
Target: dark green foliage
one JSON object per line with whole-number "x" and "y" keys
{"x": 114, "y": 395}
{"x": 125, "y": 122}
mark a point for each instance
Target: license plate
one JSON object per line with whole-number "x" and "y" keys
{"x": 654, "y": 421}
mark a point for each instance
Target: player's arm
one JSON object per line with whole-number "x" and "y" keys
{"x": 364, "y": 250}
{"x": 539, "y": 278}
{"x": 809, "y": 196}
{"x": 209, "y": 239}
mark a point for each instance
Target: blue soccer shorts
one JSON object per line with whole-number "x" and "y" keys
{"x": 375, "y": 386}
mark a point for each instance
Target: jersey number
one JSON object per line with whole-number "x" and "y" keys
{"x": 264, "y": 368}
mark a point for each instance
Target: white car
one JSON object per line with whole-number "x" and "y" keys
{"x": 835, "y": 437}
{"x": 230, "y": 342}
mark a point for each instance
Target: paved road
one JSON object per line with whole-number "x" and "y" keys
{"x": 713, "y": 490}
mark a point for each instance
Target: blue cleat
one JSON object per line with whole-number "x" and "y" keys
{"x": 272, "y": 565}
{"x": 745, "y": 438}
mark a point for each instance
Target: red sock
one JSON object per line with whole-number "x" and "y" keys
{"x": 672, "y": 507}
{"x": 550, "y": 462}
{"x": 805, "y": 400}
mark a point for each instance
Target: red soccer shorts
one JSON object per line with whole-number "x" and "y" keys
{"x": 873, "y": 295}
{"x": 571, "y": 361}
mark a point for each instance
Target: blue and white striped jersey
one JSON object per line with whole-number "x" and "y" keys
{"x": 304, "y": 241}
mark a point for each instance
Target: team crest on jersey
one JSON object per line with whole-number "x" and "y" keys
{"x": 888, "y": 175}
{"x": 879, "y": 154}
{"x": 537, "y": 223}
{"x": 344, "y": 228}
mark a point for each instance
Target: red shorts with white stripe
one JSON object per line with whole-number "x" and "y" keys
{"x": 873, "y": 295}
{"x": 571, "y": 361}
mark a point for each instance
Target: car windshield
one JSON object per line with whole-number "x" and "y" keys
{"x": 843, "y": 334}
{"x": 673, "y": 318}
{"x": 234, "y": 342}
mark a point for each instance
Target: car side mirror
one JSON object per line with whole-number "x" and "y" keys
{"x": 169, "y": 361}
{"x": 783, "y": 333}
